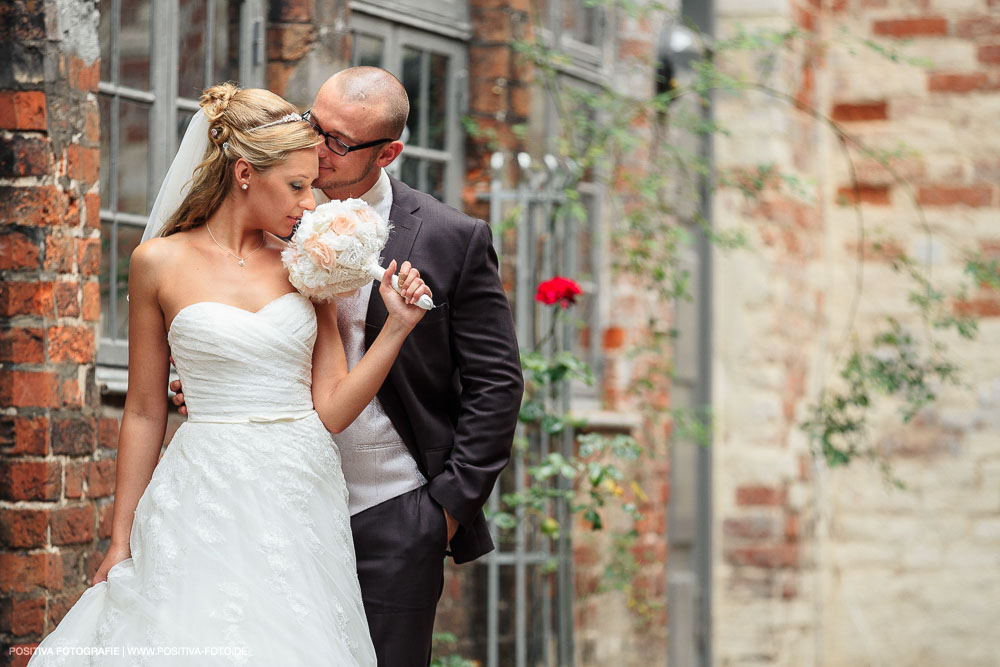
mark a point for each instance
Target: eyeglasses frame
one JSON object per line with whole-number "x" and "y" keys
{"x": 307, "y": 116}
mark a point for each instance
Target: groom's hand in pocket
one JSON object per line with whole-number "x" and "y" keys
{"x": 452, "y": 524}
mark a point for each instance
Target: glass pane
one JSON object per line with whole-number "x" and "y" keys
{"x": 226, "y": 65}
{"x": 105, "y": 39}
{"x": 104, "y": 102}
{"x": 191, "y": 37}
{"x": 409, "y": 173}
{"x": 128, "y": 238}
{"x": 367, "y": 50}
{"x": 435, "y": 179}
{"x": 183, "y": 118}
{"x": 437, "y": 101}
{"x": 411, "y": 81}
{"x": 134, "y": 41}
{"x": 106, "y": 228}
{"x": 133, "y": 157}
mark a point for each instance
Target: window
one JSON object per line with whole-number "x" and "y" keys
{"x": 578, "y": 28}
{"x": 156, "y": 57}
{"x": 432, "y": 68}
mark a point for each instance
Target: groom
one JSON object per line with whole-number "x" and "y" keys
{"x": 422, "y": 458}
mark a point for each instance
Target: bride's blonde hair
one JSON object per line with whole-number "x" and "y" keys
{"x": 235, "y": 117}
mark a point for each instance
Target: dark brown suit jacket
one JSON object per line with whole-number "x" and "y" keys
{"x": 455, "y": 390}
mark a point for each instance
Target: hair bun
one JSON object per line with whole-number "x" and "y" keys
{"x": 215, "y": 101}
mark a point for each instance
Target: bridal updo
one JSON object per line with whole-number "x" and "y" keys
{"x": 235, "y": 120}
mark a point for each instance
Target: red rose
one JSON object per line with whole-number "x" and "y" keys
{"x": 558, "y": 290}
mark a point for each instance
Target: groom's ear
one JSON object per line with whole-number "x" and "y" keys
{"x": 389, "y": 153}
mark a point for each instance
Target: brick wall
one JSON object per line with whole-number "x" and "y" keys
{"x": 56, "y": 452}
{"x": 815, "y": 566}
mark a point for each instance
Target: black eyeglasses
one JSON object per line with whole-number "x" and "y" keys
{"x": 336, "y": 145}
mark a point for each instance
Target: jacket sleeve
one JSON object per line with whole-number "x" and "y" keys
{"x": 485, "y": 348}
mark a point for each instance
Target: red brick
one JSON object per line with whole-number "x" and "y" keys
{"x": 29, "y": 389}
{"x": 290, "y": 42}
{"x": 792, "y": 527}
{"x": 59, "y": 253}
{"x": 927, "y": 26}
{"x": 614, "y": 338}
{"x": 23, "y": 528}
{"x": 74, "y": 436}
{"x": 860, "y": 111}
{"x": 989, "y": 54}
{"x": 875, "y": 195}
{"x": 71, "y": 344}
{"x": 25, "y": 616}
{"x": 27, "y": 298}
{"x": 978, "y": 26}
{"x": 22, "y": 346}
{"x": 26, "y": 572}
{"x": 92, "y": 204}
{"x": 17, "y": 251}
{"x": 82, "y": 163}
{"x": 22, "y": 110}
{"x": 35, "y": 206}
{"x": 983, "y": 307}
{"x": 91, "y": 301}
{"x": 877, "y": 251}
{"x": 805, "y": 19}
{"x": 490, "y": 62}
{"x": 70, "y": 395}
{"x": 945, "y": 195}
{"x": 766, "y": 556}
{"x": 67, "y": 298}
{"x": 759, "y": 495}
{"x": 107, "y": 432}
{"x": 748, "y": 527}
{"x": 958, "y": 83}
{"x": 89, "y": 256}
{"x": 101, "y": 478}
{"x": 105, "y": 518}
{"x": 30, "y": 480}
{"x": 25, "y": 156}
{"x": 84, "y": 76}
{"x": 75, "y": 479}
{"x": 59, "y": 606}
{"x": 292, "y": 11}
{"x": 278, "y": 74}
{"x": 24, "y": 435}
{"x": 73, "y": 525}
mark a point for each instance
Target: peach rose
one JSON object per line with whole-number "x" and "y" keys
{"x": 320, "y": 252}
{"x": 343, "y": 225}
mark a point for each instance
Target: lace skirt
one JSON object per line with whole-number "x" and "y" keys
{"x": 241, "y": 555}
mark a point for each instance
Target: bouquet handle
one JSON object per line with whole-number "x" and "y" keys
{"x": 376, "y": 272}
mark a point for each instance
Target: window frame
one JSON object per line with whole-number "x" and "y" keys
{"x": 165, "y": 106}
{"x": 396, "y": 36}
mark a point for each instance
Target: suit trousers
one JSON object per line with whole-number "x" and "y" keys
{"x": 400, "y": 546}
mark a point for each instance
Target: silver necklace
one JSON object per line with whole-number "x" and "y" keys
{"x": 243, "y": 260}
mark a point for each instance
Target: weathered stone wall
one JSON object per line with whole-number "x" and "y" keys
{"x": 833, "y": 567}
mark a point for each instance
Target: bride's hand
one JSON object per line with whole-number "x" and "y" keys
{"x": 115, "y": 556}
{"x": 403, "y": 306}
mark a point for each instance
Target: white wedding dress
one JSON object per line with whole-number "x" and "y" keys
{"x": 241, "y": 544}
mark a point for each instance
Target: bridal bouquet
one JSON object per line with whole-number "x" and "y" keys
{"x": 335, "y": 249}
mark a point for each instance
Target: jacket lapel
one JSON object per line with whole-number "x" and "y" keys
{"x": 405, "y": 226}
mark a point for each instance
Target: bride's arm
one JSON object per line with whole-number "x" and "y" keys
{"x": 145, "y": 417}
{"x": 339, "y": 396}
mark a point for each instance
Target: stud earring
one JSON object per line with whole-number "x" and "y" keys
{"x": 245, "y": 186}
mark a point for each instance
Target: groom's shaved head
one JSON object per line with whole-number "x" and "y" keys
{"x": 374, "y": 88}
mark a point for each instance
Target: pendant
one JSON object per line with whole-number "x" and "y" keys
{"x": 242, "y": 263}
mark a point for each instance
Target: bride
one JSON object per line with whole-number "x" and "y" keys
{"x": 235, "y": 548}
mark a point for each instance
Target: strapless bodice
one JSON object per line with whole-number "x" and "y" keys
{"x": 237, "y": 365}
